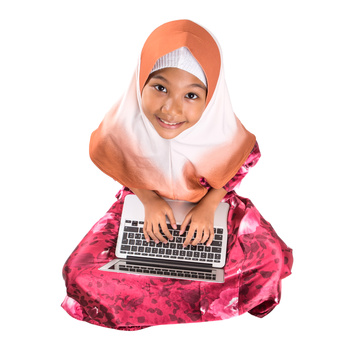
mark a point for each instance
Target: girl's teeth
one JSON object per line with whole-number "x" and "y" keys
{"x": 170, "y": 124}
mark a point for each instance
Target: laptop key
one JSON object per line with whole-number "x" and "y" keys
{"x": 125, "y": 247}
{"x": 131, "y": 229}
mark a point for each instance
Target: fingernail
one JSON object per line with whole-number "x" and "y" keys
{"x": 175, "y": 226}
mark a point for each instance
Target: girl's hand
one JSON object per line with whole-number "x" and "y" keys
{"x": 156, "y": 211}
{"x": 201, "y": 218}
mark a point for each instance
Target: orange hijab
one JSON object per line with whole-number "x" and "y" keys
{"x": 127, "y": 147}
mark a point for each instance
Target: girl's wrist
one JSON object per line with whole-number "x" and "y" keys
{"x": 213, "y": 197}
{"x": 146, "y": 196}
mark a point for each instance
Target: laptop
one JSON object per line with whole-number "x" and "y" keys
{"x": 137, "y": 256}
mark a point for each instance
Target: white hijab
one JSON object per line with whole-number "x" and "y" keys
{"x": 128, "y": 148}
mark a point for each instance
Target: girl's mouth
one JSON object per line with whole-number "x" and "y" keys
{"x": 170, "y": 125}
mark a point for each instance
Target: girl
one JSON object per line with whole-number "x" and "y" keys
{"x": 174, "y": 135}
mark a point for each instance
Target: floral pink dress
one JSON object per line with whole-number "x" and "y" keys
{"x": 257, "y": 260}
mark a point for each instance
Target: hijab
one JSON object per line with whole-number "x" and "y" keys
{"x": 128, "y": 148}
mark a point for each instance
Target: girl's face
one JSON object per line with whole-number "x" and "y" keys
{"x": 173, "y": 100}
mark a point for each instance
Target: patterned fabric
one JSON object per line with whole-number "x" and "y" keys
{"x": 257, "y": 261}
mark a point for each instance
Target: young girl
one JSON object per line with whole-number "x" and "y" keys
{"x": 174, "y": 134}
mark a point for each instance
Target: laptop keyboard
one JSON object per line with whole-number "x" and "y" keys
{"x": 134, "y": 243}
{"x": 168, "y": 272}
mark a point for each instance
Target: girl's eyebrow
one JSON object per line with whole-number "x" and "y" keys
{"x": 199, "y": 86}
{"x": 158, "y": 76}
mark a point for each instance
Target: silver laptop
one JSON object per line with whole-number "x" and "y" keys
{"x": 137, "y": 256}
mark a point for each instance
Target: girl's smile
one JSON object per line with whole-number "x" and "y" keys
{"x": 169, "y": 125}
{"x": 173, "y": 100}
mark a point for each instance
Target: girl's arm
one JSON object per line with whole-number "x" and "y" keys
{"x": 201, "y": 218}
{"x": 156, "y": 210}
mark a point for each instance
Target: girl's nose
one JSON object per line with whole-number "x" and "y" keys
{"x": 172, "y": 107}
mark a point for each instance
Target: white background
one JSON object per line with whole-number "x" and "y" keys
{"x": 64, "y": 63}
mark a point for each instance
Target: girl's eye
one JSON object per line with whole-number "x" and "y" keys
{"x": 160, "y": 88}
{"x": 191, "y": 96}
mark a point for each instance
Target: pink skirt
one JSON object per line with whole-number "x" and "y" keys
{"x": 257, "y": 261}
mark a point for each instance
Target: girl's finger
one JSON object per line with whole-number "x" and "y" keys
{"x": 205, "y": 236}
{"x": 146, "y": 236}
{"x": 198, "y": 237}
{"x": 189, "y": 236}
{"x": 166, "y": 232}
{"x": 149, "y": 231}
{"x": 159, "y": 235}
{"x": 185, "y": 223}
{"x": 171, "y": 218}
{"x": 211, "y": 237}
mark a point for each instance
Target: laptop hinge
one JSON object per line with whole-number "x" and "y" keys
{"x": 169, "y": 262}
